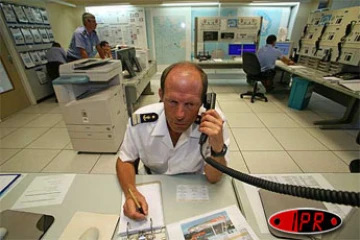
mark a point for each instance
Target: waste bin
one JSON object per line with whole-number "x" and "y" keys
{"x": 300, "y": 94}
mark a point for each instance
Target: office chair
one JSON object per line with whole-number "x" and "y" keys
{"x": 252, "y": 69}
{"x": 52, "y": 69}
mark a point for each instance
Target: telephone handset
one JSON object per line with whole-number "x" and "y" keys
{"x": 209, "y": 103}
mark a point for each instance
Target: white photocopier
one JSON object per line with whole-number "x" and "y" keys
{"x": 91, "y": 95}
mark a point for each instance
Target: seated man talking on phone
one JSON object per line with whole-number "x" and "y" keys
{"x": 165, "y": 136}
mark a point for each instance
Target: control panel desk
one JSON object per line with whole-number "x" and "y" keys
{"x": 331, "y": 90}
{"x": 339, "y": 181}
{"x": 223, "y": 64}
{"x": 140, "y": 84}
{"x": 99, "y": 193}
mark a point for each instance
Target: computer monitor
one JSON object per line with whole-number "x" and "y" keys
{"x": 128, "y": 61}
{"x": 235, "y": 49}
{"x": 284, "y": 47}
{"x": 210, "y": 35}
{"x": 251, "y": 48}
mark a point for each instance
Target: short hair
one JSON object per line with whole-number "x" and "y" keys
{"x": 203, "y": 75}
{"x": 86, "y": 16}
{"x": 103, "y": 43}
{"x": 271, "y": 39}
{"x": 56, "y": 44}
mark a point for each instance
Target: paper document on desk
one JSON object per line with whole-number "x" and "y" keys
{"x": 217, "y": 60}
{"x": 225, "y": 223}
{"x": 309, "y": 180}
{"x": 45, "y": 190}
{"x": 332, "y": 79}
{"x": 353, "y": 85}
{"x": 296, "y": 66}
{"x": 152, "y": 194}
{"x": 6, "y": 180}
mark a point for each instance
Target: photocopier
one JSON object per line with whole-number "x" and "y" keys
{"x": 91, "y": 95}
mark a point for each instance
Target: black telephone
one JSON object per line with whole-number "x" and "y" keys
{"x": 209, "y": 103}
{"x": 347, "y": 75}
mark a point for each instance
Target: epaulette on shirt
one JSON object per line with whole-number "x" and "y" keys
{"x": 143, "y": 118}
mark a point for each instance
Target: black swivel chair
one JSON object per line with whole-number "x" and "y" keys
{"x": 52, "y": 69}
{"x": 252, "y": 69}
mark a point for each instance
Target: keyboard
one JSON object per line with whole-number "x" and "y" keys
{"x": 217, "y": 59}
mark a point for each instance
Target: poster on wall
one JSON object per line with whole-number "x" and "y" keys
{"x": 5, "y": 83}
{"x": 17, "y": 35}
{"x": 27, "y": 60}
{"x": 8, "y": 12}
{"x": 36, "y": 35}
{"x": 27, "y": 36}
{"x": 29, "y": 14}
{"x": 44, "y": 16}
{"x": 20, "y": 15}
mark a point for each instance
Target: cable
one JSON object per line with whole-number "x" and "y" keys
{"x": 324, "y": 195}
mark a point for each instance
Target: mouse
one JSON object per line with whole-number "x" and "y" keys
{"x": 3, "y": 232}
{"x": 90, "y": 234}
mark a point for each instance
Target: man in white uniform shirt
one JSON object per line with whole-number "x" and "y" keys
{"x": 166, "y": 139}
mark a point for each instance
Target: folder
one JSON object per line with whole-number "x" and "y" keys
{"x": 154, "y": 225}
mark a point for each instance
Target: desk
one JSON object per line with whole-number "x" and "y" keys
{"x": 328, "y": 89}
{"x": 224, "y": 64}
{"x": 340, "y": 181}
{"x": 140, "y": 84}
{"x": 102, "y": 194}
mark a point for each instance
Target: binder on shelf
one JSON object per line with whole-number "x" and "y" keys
{"x": 154, "y": 226}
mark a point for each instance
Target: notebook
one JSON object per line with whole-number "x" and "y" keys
{"x": 152, "y": 194}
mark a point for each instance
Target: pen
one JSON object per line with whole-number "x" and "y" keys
{"x": 139, "y": 208}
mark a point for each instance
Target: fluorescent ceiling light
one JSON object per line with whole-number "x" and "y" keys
{"x": 190, "y": 4}
{"x": 62, "y": 3}
{"x": 273, "y": 4}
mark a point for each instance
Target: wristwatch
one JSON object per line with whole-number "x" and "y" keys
{"x": 221, "y": 153}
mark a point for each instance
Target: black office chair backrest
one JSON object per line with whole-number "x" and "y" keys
{"x": 251, "y": 64}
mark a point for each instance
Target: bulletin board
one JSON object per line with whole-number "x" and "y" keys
{"x": 121, "y": 26}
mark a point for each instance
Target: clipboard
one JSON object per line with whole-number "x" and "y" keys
{"x": 7, "y": 182}
{"x": 152, "y": 228}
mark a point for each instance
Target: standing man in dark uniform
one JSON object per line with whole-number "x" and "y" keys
{"x": 85, "y": 42}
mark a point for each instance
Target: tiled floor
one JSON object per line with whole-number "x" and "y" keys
{"x": 265, "y": 137}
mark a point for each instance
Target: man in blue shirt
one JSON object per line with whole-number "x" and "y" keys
{"x": 85, "y": 41}
{"x": 55, "y": 56}
{"x": 267, "y": 56}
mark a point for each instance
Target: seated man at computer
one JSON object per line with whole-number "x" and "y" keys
{"x": 267, "y": 56}
{"x": 165, "y": 135}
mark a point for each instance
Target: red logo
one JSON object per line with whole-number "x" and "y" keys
{"x": 305, "y": 221}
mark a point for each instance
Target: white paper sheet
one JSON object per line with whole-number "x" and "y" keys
{"x": 353, "y": 85}
{"x": 310, "y": 180}
{"x": 152, "y": 194}
{"x": 6, "y": 180}
{"x": 82, "y": 221}
{"x": 192, "y": 193}
{"x": 228, "y": 222}
{"x": 44, "y": 191}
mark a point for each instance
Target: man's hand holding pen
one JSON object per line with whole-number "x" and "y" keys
{"x": 135, "y": 206}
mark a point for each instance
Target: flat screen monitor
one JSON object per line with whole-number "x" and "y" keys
{"x": 227, "y": 35}
{"x": 210, "y": 36}
{"x": 129, "y": 62}
{"x": 284, "y": 47}
{"x": 235, "y": 49}
{"x": 251, "y": 48}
